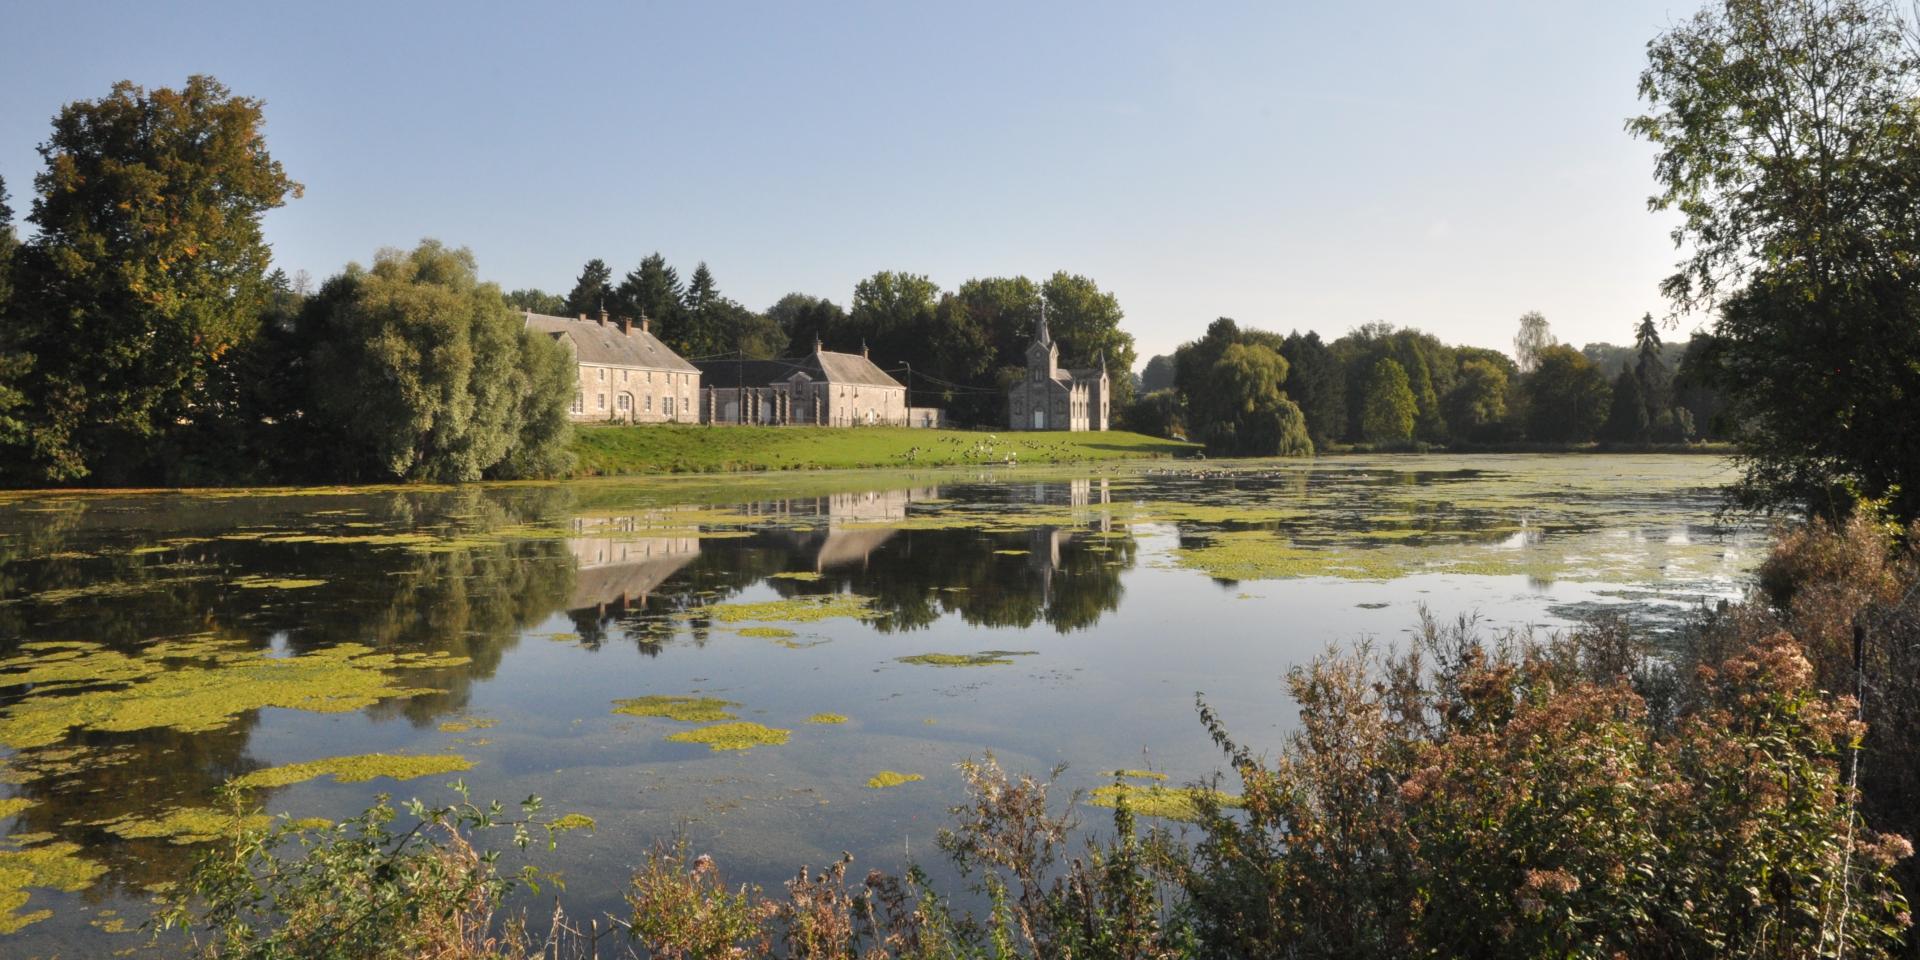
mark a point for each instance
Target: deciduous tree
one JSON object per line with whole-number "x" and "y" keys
{"x": 1390, "y": 408}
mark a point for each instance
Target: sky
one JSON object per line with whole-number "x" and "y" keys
{"x": 1446, "y": 166}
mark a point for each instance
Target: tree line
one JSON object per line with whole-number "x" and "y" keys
{"x": 1245, "y": 391}
{"x": 147, "y": 338}
{"x": 963, "y": 347}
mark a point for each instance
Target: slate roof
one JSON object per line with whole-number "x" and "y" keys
{"x": 821, "y": 365}
{"x": 600, "y": 343}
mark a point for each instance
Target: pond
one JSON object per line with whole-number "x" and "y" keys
{"x": 748, "y": 663}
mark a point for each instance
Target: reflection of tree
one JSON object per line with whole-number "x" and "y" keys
{"x": 483, "y": 576}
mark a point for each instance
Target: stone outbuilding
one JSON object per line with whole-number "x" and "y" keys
{"x": 625, "y": 373}
{"x": 1050, "y": 397}
{"x": 823, "y": 388}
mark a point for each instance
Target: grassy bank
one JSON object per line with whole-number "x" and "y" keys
{"x": 618, "y": 451}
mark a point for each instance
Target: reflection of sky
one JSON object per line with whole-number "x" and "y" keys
{"x": 1123, "y": 640}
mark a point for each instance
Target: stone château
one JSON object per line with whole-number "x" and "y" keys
{"x": 1050, "y": 397}
{"x": 625, "y": 372}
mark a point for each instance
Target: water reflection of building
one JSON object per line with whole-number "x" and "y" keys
{"x": 615, "y": 571}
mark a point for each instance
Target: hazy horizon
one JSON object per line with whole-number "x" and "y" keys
{"x": 1310, "y": 169}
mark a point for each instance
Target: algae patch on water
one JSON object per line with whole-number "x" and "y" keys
{"x": 467, "y": 724}
{"x": 47, "y": 866}
{"x": 194, "y": 686}
{"x": 684, "y": 709}
{"x": 184, "y": 825}
{"x": 828, "y": 718}
{"x": 791, "y": 610}
{"x": 740, "y": 735}
{"x": 357, "y": 768}
{"x": 767, "y": 633}
{"x": 984, "y": 658}
{"x": 1156, "y": 800}
{"x": 272, "y": 583}
{"x": 889, "y": 778}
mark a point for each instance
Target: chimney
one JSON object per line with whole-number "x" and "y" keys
{"x": 646, "y": 325}
{"x": 863, "y": 350}
{"x": 816, "y": 343}
{"x": 626, "y": 326}
{"x": 603, "y": 316}
{"x": 583, "y": 318}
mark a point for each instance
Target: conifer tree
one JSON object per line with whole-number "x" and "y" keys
{"x": 593, "y": 292}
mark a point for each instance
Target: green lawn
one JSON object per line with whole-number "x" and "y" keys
{"x": 620, "y": 451}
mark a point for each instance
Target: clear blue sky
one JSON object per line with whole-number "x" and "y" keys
{"x": 1313, "y": 165}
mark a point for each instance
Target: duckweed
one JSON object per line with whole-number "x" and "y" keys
{"x": 684, "y": 709}
{"x": 572, "y": 821}
{"x": 1167, "y": 803}
{"x": 270, "y": 583}
{"x": 357, "y": 768}
{"x": 805, "y": 576}
{"x": 468, "y": 723}
{"x": 184, "y": 825}
{"x": 889, "y": 778}
{"x": 13, "y": 805}
{"x": 740, "y": 735}
{"x": 1140, "y": 775}
{"x": 219, "y": 684}
{"x": 984, "y": 658}
{"x": 791, "y": 610}
{"x": 767, "y": 633}
{"x": 828, "y": 718}
{"x": 48, "y": 866}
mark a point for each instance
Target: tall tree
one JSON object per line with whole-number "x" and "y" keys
{"x": 704, "y": 320}
{"x": 1787, "y": 141}
{"x": 419, "y": 371}
{"x": 1652, "y": 380}
{"x": 1317, "y": 382}
{"x": 653, "y": 290}
{"x": 148, "y": 269}
{"x": 1390, "y": 408}
{"x": 1243, "y": 409}
{"x": 1086, "y": 321}
{"x": 1158, "y": 374}
{"x": 593, "y": 292}
{"x": 805, "y": 319}
{"x": 1627, "y": 420}
{"x": 1567, "y": 397}
{"x": 1534, "y": 337}
{"x": 1478, "y": 401}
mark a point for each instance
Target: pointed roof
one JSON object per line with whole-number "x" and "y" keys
{"x": 1040, "y": 334}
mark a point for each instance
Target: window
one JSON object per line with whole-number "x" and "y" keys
{"x": 649, "y": 403}
{"x": 626, "y": 401}
{"x": 623, "y": 376}
{"x": 666, "y": 406}
{"x": 579, "y": 402}
{"x": 603, "y": 401}
{"x": 603, "y": 378}
{"x": 649, "y": 376}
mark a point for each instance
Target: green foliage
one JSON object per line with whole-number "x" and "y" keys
{"x": 592, "y": 293}
{"x": 1157, "y": 375}
{"x": 1477, "y": 404}
{"x": 653, "y": 290}
{"x": 539, "y": 301}
{"x": 1787, "y": 141}
{"x": 1497, "y": 798}
{"x": 420, "y": 371}
{"x": 367, "y": 888}
{"x": 1567, "y": 397}
{"x": 1627, "y": 419}
{"x": 147, "y": 271}
{"x": 1534, "y": 337}
{"x": 1244, "y": 409}
{"x": 1158, "y": 414}
{"x": 1388, "y": 415}
{"x": 1318, "y": 383}
{"x": 806, "y": 320}
{"x": 1086, "y": 322}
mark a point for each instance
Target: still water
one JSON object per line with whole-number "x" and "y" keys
{"x": 155, "y": 647}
